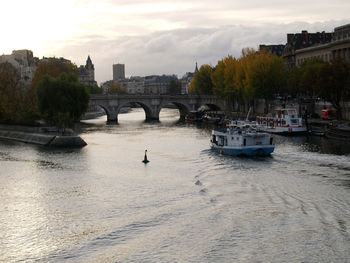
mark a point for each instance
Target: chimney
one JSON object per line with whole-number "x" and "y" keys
{"x": 305, "y": 36}
{"x": 323, "y": 37}
{"x": 289, "y": 38}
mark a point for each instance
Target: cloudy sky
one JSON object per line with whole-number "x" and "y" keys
{"x": 160, "y": 36}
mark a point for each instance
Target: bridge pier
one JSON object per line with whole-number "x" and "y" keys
{"x": 112, "y": 120}
{"x": 152, "y": 118}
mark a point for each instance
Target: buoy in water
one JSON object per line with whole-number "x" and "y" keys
{"x": 145, "y": 160}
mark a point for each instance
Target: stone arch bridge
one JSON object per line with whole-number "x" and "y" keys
{"x": 153, "y": 103}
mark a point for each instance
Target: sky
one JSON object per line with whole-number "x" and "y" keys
{"x": 160, "y": 36}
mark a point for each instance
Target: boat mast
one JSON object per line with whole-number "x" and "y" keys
{"x": 246, "y": 119}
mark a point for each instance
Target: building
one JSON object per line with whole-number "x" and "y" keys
{"x": 153, "y": 84}
{"x": 338, "y": 47}
{"x": 273, "y": 49}
{"x": 24, "y": 62}
{"x": 87, "y": 73}
{"x": 158, "y": 84}
{"x": 185, "y": 82}
{"x": 134, "y": 85}
{"x": 302, "y": 40}
{"x": 118, "y": 71}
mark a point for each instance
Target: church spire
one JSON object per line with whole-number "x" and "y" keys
{"x": 196, "y": 69}
{"x": 89, "y": 64}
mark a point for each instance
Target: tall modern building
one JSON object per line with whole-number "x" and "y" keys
{"x": 118, "y": 71}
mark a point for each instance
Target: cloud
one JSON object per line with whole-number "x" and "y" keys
{"x": 176, "y": 51}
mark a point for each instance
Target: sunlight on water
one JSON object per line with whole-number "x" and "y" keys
{"x": 189, "y": 204}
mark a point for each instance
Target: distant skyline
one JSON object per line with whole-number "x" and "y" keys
{"x": 158, "y": 37}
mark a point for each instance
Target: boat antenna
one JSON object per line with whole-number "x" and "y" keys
{"x": 145, "y": 160}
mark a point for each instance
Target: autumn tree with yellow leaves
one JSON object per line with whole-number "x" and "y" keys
{"x": 255, "y": 75}
{"x": 201, "y": 82}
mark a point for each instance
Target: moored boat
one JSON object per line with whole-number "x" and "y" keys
{"x": 241, "y": 138}
{"x": 194, "y": 116}
{"x": 285, "y": 121}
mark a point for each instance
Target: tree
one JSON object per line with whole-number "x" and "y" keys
{"x": 94, "y": 89}
{"x": 191, "y": 88}
{"x": 53, "y": 67}
{"x": 266, "y": 76}
{"x": 16, "y": 105}
{"x": 309, "y": 75}
{"x": 62, "y": 100}
{"x": 223, "y": 78}
{"x": 231, "y": 89}
{"x": 115, "y": 88}
{"x": 334, "y": 83}
{"x": 174, "y": 87}
{"x": 218, "y": 79}
{"x": 202, "y": 80}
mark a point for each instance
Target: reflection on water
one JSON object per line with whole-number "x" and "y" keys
{"x": 189, "y": 204}
{"x": 317, "y": 144}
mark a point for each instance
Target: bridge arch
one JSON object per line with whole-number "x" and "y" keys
{"x": 105, "y": 110}
{"x": 149, "y": 112}
{"x": 183, "y": 108}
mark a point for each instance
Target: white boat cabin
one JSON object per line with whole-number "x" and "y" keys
{"x": 285, "y": 120}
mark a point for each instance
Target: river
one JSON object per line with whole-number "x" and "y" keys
{"x": 188, "y": 204}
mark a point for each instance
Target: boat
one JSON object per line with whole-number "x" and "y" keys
{"x": 285, "y": 121}
{"x": 240, "y": 138}
{"x": 194, "y": 116}
{"x": 213, "y": 117}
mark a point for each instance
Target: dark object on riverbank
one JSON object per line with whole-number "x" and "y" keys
{"x": 36, "y": 136}
{"x": 338, "y": 133}
{"x": 194, "y": 116}
{"x": 317, "y": 128}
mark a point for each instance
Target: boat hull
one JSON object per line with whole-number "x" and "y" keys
{"x": 244, "y": 151}
{"x": 285, "y": 130}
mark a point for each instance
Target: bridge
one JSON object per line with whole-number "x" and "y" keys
{"x": 153, "y": 103}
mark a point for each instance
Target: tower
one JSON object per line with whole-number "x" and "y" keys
{"x": 118, "y": 71}
{"x": 90, "y": 69}
{"x": 87, "y": 73}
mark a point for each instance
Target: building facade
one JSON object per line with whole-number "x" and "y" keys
{"x": 118, "y": 71}
{"x": 24, "y": 62}
{"x": 158, "y": 84}
{"x": 339, "y": 47}
{"x": 153, "y": 84}
{"x": 87, "y": 73}
{"x": 273, "y": 49}
{"x": 185, "y": 82}
{"x": 134, "y": 85}
{"x": 302, "y": 40}
{"x": 341, "y": 43}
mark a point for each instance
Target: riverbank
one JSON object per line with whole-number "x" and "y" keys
{"x": 41, "y": 136}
